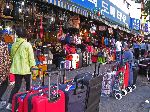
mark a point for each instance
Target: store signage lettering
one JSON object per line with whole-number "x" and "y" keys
{"x": 135, "y": 24}
{"x": 93, "y": 1}
{"x": 107, "y": 8}
{"x": 112, "y": 12}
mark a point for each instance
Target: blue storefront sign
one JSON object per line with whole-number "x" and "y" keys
{"x": 112, "y": 12}
{"x": 135, "y": 24}
{"x": 89, "y": 4}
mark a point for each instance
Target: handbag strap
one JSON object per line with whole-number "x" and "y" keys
{"x": 17, "y": 49}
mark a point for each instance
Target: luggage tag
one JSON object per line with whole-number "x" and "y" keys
{"x": 23, "y": 96}
{"x": 70, "y": 87}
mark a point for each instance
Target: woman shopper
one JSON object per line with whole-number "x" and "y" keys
{"x": 22, "y": 57}
{"x": 4, "y": 69}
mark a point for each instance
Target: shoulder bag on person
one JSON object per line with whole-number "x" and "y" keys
{"x": 16, "y": 52}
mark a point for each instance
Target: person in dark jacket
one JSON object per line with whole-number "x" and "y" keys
{"x": 136, "y": 47}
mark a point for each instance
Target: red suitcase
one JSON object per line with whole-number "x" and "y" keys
{"x": 41, "y": 102}
{"x": 19, "y": 99}
{"x": 17, "y": 102}
{"x": 126, "y": 76}
{"x": 33, "y": 93}
{"x": 53, "y": 104}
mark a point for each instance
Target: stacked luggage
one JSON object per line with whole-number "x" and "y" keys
{"x": 79, "y": 95}
{"x": 83, "y": 94}
{"x": 72, "y": 61}
{"x": 40, "y": 98}
{"x": 119, "y": 81}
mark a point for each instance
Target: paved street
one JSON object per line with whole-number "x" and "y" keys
{"x": 133, "y": 102}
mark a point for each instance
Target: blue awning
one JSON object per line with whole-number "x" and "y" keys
{"x": 70, "y": 6}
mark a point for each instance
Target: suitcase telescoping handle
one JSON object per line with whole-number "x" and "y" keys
{"x": 64, "y": 75}
{"x": 49, "y": 83}
{"x": 96, "y": 69}
{"x": 31, "y": 81}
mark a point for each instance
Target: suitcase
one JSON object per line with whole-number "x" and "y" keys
{"x": 125, "y": 70}
{"x": 135, "y": 72}
{"x": 94, "y": 94}
{"x": 130, "y": 75}
{"x": 75, "y": 57}
{"x": 89, "y": 60}
{"x": 117, "y": 86}
{"x": 41, "y": 102}
{"x": 31, "y": 94}
{"x": 84, "y": 59}
{"x": 126, "y": 75}
{"x": 75, "y": 97}
{"x": 107, "y": 83}
{"x": 121, "y": 81}
{"x": 69, "y": 65}
{"x": 80, "y": 58}
{"x": 94, "y": 86}
{"x": 17, "y": 102}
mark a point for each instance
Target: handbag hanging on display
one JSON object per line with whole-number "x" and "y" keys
{"x": 7, "y": 9}
{"x": 8, "y": 38}
{"x": 94, "y": 58}
{"x": 41, "y": 28}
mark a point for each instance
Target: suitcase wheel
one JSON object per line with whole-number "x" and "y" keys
{"x": 118, "y": 96}
{"x": 124, "y": 92}
{"x": 129, "y": 89}
{"x": 133, "y": 87}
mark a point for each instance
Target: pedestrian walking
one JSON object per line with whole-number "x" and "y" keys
{"x": 118, "y": 45}
{"x": 22, "y": 57}
{"x": 4, "y": 69}
{"x": 136, "y": 47}
{"x": 143, "y": 48}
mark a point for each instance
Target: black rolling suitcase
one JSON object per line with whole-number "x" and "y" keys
{"x": 93, "y": 94}
{"x": 75, "y": 94}
{"x": 94, "y": 85}
{"x": 135, "y": 72}
{"x": 75, "y": 98}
